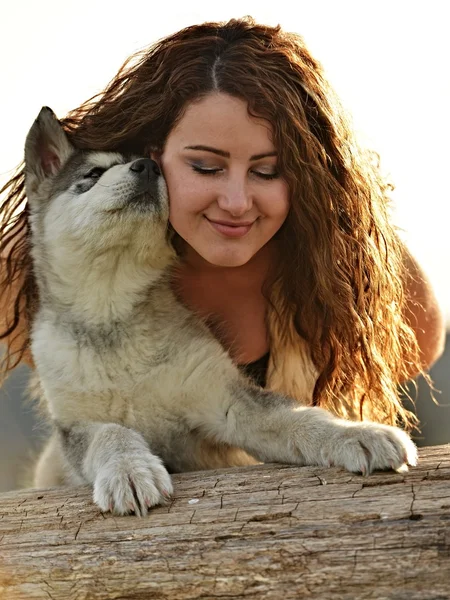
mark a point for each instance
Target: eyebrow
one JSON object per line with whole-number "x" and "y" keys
{"x": 227, "y": 154}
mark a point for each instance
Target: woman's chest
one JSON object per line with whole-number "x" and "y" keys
{"x": 235, "y": 314}
{"x": 241, "y": 330}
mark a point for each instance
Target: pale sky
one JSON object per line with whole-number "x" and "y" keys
{"x": 388, "y": 59}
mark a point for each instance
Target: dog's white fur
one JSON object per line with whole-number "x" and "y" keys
{"x": 135, "y": 384}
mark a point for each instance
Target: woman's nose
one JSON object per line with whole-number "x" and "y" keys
{"x": 235, "y": 199}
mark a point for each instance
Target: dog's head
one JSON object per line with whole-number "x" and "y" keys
{"x": 91, "y": 201}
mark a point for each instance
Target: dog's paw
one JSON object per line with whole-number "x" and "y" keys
{"x": 365, "y": 447}
{"x": 132, "y": 483}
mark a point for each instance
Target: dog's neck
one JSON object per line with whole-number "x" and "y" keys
{"x": 99, "y": 289}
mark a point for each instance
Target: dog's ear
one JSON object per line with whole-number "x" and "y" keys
{"x": 47, "y": 148}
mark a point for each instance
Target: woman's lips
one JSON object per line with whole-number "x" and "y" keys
{"x": 231, "y": 230}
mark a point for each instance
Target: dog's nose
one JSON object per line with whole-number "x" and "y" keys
{"x": 145, "y": 166}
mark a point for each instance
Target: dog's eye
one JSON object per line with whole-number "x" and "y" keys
{"x": 95, "y": 173}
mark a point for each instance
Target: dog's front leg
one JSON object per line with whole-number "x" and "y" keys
{"x": 117, "y": 461}
{"x": 273, "y": 428}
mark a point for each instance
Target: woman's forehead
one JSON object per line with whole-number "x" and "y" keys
{"x": 220, "y": 118}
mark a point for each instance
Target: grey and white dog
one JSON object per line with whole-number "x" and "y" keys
{"x": 136, "y": 385}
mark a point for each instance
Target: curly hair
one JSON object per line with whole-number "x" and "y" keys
{"x": 339, "y": 281}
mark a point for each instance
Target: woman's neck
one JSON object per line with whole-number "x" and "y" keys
{"x": 231, "y": 301}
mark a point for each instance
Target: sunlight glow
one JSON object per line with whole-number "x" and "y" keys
{"x": 388, "y": 60}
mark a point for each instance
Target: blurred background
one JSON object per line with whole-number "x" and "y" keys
{"x": 388, "y": 61}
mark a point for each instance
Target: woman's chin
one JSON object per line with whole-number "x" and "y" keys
{"x": 227, "y": 261}
{"x": 199, "y": 257}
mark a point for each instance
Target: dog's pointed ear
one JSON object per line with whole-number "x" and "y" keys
{"x": 47, "y": 148}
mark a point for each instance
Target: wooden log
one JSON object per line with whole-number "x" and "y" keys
{"x": 269, "y": 531}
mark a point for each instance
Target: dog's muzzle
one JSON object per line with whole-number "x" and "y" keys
{"x": 146, "y": 171}
{"x": 147, "y": 184}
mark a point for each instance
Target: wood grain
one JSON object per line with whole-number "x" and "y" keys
{"x": 269, "y": 531}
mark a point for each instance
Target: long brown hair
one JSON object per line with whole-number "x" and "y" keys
{"x": 339, "y": 281}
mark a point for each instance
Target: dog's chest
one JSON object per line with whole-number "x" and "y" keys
{"x": 123, "y": 371}
{"x": 95, "y": 360}
{"x": 148, "y": 376}
{"x": 97, "y": 353}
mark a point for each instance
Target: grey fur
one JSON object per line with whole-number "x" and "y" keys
{"x": 137, "y": 384}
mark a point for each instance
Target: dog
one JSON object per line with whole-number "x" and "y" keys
{"x": 136, "y": 386}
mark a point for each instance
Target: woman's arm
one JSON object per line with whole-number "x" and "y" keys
{"x": 423, "y": 313}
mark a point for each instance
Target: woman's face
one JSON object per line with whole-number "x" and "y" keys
{"x": 227, "y": 199}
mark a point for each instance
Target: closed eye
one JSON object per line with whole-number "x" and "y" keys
{"x": 89, "y": 180}
{"x": 274, "y": 175}
{"x": 215, "y": 171}
{"x": 205, "y": 171}
{"x": 94, "y": 173}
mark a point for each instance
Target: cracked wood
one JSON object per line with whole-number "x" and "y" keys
{"x": 269, "y": 531}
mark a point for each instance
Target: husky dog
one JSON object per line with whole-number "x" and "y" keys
{"x": 135, "y": 384}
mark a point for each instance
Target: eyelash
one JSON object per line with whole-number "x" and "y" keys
{"x": 266, "y": 176}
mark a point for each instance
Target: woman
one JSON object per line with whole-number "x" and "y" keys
{"x": 280, "y": 219}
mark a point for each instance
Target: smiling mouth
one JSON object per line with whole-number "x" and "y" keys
{"x": 233, "y": 230}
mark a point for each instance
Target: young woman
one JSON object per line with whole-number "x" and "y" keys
{"x": 281, "y": 221}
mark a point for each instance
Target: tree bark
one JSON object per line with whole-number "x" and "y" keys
{"x": 269, "y": 531}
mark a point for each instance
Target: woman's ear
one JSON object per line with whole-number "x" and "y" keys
{"x": 156, "y": 155}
